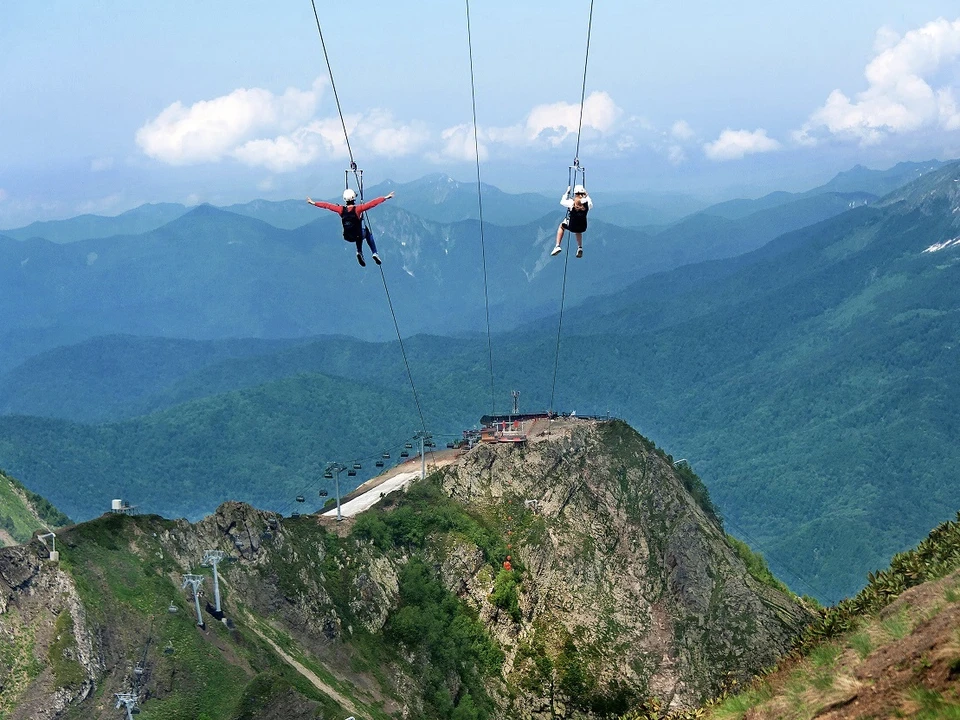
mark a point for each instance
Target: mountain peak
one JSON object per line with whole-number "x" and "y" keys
{"x": 930, "y": 192}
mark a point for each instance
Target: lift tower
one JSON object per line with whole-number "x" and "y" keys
{"x": 212, "y": 558}
{"x": 194, "y": 581}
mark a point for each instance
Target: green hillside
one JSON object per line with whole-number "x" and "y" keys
{"x": 23, "y": 512}
{"x": 263, "y": 446}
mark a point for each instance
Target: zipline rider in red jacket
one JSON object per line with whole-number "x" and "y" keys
{"x": 351, "y": 215}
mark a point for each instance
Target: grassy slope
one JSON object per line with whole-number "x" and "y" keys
{"x": 893, "y": 650}
{"x": 23, "y": 512}
{"x": 126, "y": 582}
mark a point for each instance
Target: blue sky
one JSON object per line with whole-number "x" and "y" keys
{"x": 106, "y": 105}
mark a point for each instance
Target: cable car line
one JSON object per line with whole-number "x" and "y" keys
{"x": 574, "y": 169}
{"x": 483, "y": 253}
{"x": 357, "y": 175}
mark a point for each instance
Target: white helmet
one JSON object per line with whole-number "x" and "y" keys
{"x": 579, "y": 190}
{"x": 349, "y": 195}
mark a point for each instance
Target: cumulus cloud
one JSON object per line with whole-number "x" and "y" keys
{"x": 210, "y": 130}
{"x": 275, "y": 132}
{"x": 547, "y": 125}
{"x": 557, "y": 121}
{"x": 457, "y": 143}
{"x": 735, "y": 144}
{"x": 901, "y": 96}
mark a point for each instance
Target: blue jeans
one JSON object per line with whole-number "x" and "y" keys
{"x": 368, "y": 236}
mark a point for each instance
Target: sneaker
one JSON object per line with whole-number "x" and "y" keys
{"x": 360, "y": 260}
{"x": 579, "y": 252}
{"x": 376, "y": 259}
{"x": 556, "y": 250}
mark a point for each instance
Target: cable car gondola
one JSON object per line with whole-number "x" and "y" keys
{"x": 294, "y": 514}
{"x": 450, "y": 446}
{"x": 379, "y": 463}
{"x": 352, "y": 473}
{"x": 328, "y": 475}
{"x": 386, "y": 456}
{"x": 404, "y": 454}
{"x": 357, "y": 466}
{"x": 429, "y": 443}
{"x": 408, "y": 446}
{"x": 301, "y": 498}
{"x": 323, "y": 493}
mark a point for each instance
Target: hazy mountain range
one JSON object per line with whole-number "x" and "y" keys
{"x": 811, "y": 379}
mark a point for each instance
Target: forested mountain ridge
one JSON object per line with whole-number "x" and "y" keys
{"x": 621, "y": 588}
{"x": 279, "y": 269}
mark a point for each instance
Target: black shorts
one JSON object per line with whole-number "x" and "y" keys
{"x": 566, "y": 226}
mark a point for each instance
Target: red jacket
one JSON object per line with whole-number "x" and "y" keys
{"x": 359, "y": 209}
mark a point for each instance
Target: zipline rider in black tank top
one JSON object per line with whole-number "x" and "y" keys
{"x": 576, "y": 221}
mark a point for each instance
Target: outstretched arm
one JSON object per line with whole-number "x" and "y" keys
{"x": 325, "y": 205}
{"x": 373, "y": 203}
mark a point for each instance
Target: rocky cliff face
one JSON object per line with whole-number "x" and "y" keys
{"x": 621, "y": 564}
{"x": 621, "y": 588}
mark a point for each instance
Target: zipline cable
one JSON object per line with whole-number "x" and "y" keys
{"x": 583, "y": 88}
{"x": 576, "y": 165}
{"x": 353, "y": 167}
{"x": 483, "y": 252}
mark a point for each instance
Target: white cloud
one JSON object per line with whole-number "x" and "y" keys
{"x": 376, "y": 132}
{"x": 559, "y": 120}
{"x": 278, "y": 133}
{"x": 681, "y": 130}
{"x": 548, "y": 125}
{"x": 458, "y": 144}
{"x": 101, "y": 164}
{"x": 900, "y": 97}
{"x": 735, "y": 144}
{"x": 210, "y": 130}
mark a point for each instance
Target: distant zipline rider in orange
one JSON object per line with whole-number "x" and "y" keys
{"x": 576, "y": 219}
{"x": 351, "y": 215}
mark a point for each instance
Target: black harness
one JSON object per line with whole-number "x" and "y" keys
{"x": 352, "y": 224}
{"x": 577, "y": 219}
